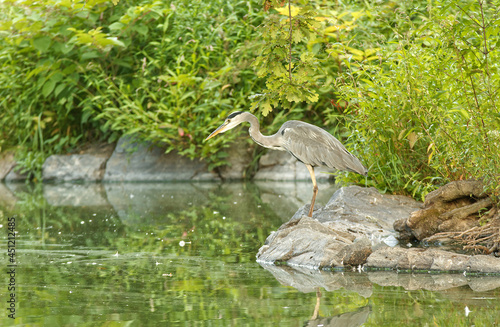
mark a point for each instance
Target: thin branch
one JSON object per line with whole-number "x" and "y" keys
{"x": 467, "y": 14}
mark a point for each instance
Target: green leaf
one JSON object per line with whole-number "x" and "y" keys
{"x": 297, "y": 36}
{"x": 85, "y": 116}
{"x": 312, "y": 96}
{"x": 266, "y": 107}
{"x": 48, "y": 87}
{"x": 307, "y": 57}
{"x": 59, "y": 89}
{"x": 63, "y": 47}
{"x": 115, "y": 41}
{"x": 462, "y": 112}
{"x": 279, "y": 70}
{"x": 90, "y": 55}
{"x": 412, "y": 138}
{"x": 116, "y": 26}
{"x": 42, "y": 43}
{"x": 141, "y": 29}
{"x": 293, "y": 97}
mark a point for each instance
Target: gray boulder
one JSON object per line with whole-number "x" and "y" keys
{"x": 306, "y": 242}
{"x": 431, "y": 259}
{"x": 355, "y": 230}
{"x": 340, "y": 234}
{"x": 76, "y": 167}
{"x": 281, "y": 166}
{"x": 364, "y": 212}
{"x": 239, "y": 158}
{"x": 7, "y": 162}
{"x": 133, "y": 161}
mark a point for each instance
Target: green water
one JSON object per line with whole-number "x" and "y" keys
{"x": 184, "y": 255}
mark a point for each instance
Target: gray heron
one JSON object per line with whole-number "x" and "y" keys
{"x": 309, "y": 144}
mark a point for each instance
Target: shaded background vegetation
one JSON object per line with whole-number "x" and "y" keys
{"x": 410, "y": 86}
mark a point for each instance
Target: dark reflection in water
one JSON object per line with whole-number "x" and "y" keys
{"x": 180, "y": 254}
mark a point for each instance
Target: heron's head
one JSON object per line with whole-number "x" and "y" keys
{"x": 233, "y": 120}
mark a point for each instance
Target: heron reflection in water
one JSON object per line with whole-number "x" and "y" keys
{"x": 309, "y": 144}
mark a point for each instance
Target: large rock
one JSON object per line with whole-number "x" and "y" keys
{"x": 7, "y": 162}
{"x": 15, "y": 177}
{"x": 306, "y": 242}
{"x": 76, "y": 167}
{"x": 431, "y": 259}
{"x": 340, "y": 234}
{"x": 364, "y": 212}
{"x": 455, "y": 207}
{"x": 354, "y": 230}
{"x": 239, "y": 158}
{"x": 281, "y": 166}
{"x": 133, "y": 161}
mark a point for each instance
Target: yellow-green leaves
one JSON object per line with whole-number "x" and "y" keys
{"x": 42, "y": 43}
{"x": 290, "y": 68}
{"x": 412, "y": 139}
{"x": 284, "y": 10}
{"x": 363, "y": 55}
{"x": 425, "y": 104}
{"x": 95, "y": 38}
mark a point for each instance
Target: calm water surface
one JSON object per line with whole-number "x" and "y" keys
{"x": 163, "y": 254}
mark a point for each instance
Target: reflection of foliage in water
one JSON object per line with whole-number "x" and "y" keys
{"x": 397, "y": 306}
{"x": 220, "y": 227}
{"x": 103, "y": 271}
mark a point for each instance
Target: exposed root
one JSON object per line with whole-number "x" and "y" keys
{"x": 482, "y": 239}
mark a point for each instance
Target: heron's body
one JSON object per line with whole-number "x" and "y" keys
{"x": 309, "y": 144}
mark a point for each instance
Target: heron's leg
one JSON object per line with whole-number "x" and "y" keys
{"x": 316, "y": 307}
{"x": 315, "y": 189}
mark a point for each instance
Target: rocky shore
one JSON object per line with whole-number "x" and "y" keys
{"x": 355, "y": 230}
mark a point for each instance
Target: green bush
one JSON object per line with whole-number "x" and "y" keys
{"x": 167, "y": 72}
{"x": 190, "y": 69}
{"x": 428, "y": 113}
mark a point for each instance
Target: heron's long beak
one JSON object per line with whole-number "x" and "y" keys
{"x": 219, "y": 129}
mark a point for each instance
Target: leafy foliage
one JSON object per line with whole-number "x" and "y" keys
{"x": 413, "y": 88}
{"x": 289, "y": 72}
{"x": 76, "y": 73}
{"x": 428, "y": 113}
{"x": 186, "y": 73}
{"x": 42, "y": 71}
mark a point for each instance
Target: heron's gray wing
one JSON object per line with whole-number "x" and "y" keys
{"x": 315, "y": 146}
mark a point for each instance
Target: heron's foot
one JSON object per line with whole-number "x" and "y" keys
{"x": 310, "y": 209}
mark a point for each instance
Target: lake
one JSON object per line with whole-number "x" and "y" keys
{"x": 183, "y": 254}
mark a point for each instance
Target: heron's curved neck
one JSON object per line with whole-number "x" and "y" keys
{"x": 270, "y": 141}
